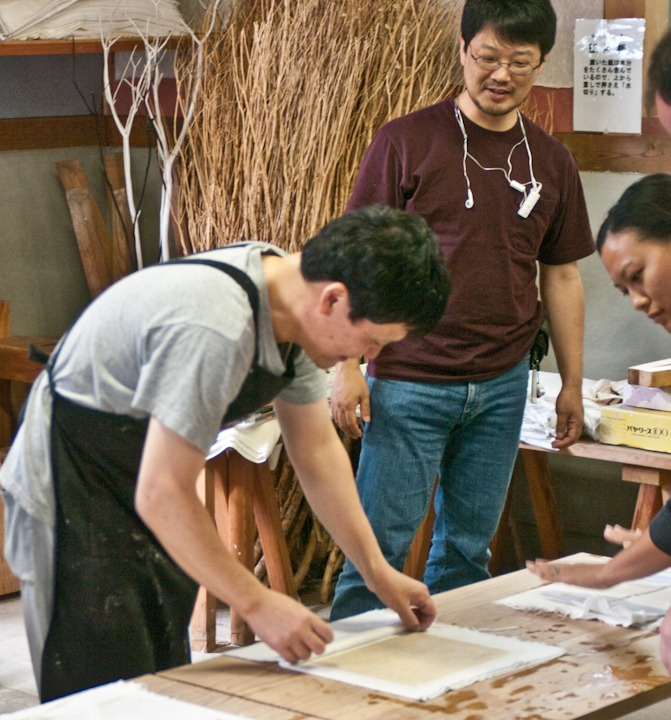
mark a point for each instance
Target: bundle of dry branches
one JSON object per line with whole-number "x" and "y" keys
{"x": 292, "y": 93}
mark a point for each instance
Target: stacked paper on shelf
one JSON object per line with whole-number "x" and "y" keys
{"x": 53, "y": 19}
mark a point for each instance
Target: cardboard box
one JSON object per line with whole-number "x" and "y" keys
{"x": 636, "y": 427}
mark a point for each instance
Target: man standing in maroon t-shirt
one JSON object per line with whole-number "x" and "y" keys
{"x": 501, "y": 196}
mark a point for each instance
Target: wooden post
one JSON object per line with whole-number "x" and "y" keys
{"x": 415, "y": 563}
{"x": 545, "y": 505}
{"x": 648, "y": 504}
{"x": 123, "y": 247}
{"x": 4, "y": 319}
{"x": 240, "y": 530}
{"x": 202, "y": 629}
{"x": 93, "y": 239}
{"x": 5, "y": 388}
{"x": 273, "y": 540}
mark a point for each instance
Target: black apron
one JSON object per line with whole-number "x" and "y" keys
{"x": 121, "y": 605}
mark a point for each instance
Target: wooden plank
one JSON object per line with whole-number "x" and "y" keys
{"x": 415, "y": 563}
{"x": 613, "y": 9}
{"x": 271, "y": 534}
{"x": 612, "y": 453}
{"x": 67, "y": 131}
{"x": 9, "y": 583}
{"x": 14, "y": 361}
{"x": 5, "y": 414}
{"x": 646, "y": 476}
{"x": 217, "y": 700}
{"x": 202, "y": 628}
{"x": 648, "y": 504}
{"x": 93, "y": 239}
{"x": 70, "y": 46}
{"x": 544, "y": 503}
{"x": 646, "y": 153}
{"x": 607, "y": 671}
{"x": 123, "y": 247}
{"x": 241, "y": 530}
{"x": 5, "y": 325}
{"x": 652, "y": 374}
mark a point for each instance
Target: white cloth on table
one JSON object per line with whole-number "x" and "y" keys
{"x": 629, "y": 604}
{"x": 540, "y": 418}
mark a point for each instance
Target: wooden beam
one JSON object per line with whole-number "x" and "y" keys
{"x": 67, "y": 131}
{"x": 619, "y": 153}
{"x": 70, "y": 46}
{"x": 93, "y": 238}
{"x": 652, "y": 374}
{"x": 5, "y": 324}
{"x": 613, "y": 9}
{"x": 123, "y": 249}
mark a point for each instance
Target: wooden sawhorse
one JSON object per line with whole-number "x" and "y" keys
{"x": 237, "y": 493}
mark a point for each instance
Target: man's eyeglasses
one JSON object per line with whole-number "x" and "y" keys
{"x": 488, "y": 63}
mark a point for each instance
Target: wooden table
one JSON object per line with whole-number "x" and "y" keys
{"x": 606, "y": 673}
{"x": 651, "y": 470}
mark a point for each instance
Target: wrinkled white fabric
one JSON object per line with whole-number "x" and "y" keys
{"x": 540, "y": 419}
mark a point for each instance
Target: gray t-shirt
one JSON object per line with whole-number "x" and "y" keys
{"x": 173, "y": 341}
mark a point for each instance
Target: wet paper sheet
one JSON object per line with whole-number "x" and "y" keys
{"x": 374, "y": 651}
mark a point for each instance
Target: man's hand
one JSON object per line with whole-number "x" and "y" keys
{"x": 349, "y": 390}
{"x": 587, "y": 575}
{"x": 570, "y": 416}
{"x": 288, "y": 627}
{"x": 407, "y": 597}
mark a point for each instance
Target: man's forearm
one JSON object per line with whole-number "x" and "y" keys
{"x": 564, "y": 299}
{"x": 325, "y": 472}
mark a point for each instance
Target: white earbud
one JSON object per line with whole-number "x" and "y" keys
{"x": 529, "y": 202}
{"x": 530, "y": 199}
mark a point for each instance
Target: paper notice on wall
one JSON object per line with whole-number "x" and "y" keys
{"x": 608, "y": 75}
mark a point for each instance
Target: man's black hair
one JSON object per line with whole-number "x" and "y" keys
{"x": 644, "y": 208}
{"x": 390, "y": 263}
{"x": 659, "y": 72}
{"x": 514, "y": 21}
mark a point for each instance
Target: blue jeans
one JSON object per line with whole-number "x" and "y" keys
{"x": 469, "y": 434}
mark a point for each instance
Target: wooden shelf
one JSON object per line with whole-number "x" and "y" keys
{"x": 70, "y": 46}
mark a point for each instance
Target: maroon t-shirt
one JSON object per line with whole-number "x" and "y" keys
{"x": 493, "y": 314}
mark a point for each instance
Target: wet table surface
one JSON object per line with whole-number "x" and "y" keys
{"x": 607, "y": 672}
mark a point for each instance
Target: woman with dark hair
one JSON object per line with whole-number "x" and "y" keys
{"x": 635, "y": 245}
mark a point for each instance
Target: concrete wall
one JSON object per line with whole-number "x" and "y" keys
{"x": 41, "y": 271}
